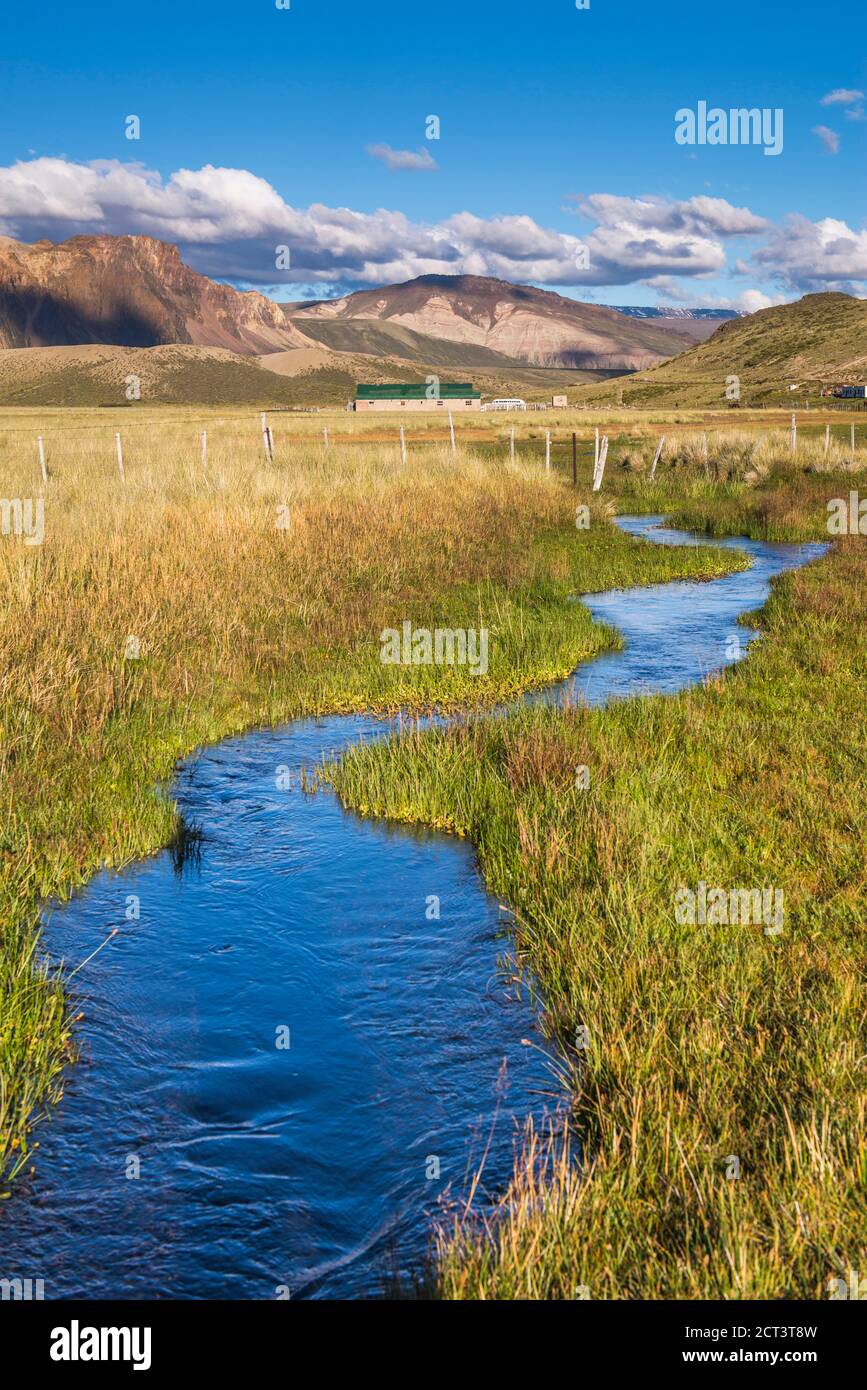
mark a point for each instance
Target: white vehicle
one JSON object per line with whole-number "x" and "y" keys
{"x": 510, "y": 403}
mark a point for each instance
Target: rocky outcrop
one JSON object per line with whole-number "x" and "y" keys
{"x": 131, "y": 291}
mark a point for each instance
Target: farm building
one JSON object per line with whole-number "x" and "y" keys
{"x": 448, "y": 395}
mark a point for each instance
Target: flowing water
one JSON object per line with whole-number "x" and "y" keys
{"x": 194, "y": 1157}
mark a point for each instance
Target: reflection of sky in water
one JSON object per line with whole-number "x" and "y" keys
{"x": 677, "y": 633}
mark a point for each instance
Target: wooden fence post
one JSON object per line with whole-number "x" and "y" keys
{"x": 656, "y": 457}
{"x": 512, "y": 444}
{"x": 325, "y": 437}
{"x": 827, "y": 437}
{"x": 42, "y": 467}
{"x": 574, "y": 460}
{"x": 452, "y": 432}
{"x": 794, "y": 432}
{"x": 853, "y": 436}
{"x": 204, "y": 447}
{"x": 267, "y": 440}
{"x": 600, "y": 471}
{"x": 119, "y": 456}
{"x": 402, "y": 446}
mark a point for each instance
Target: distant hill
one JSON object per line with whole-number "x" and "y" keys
{"x": 676, "y": 311}
{"x": 693, "y": 324}
{"x": 535, "y": 327}
{"x": 176, "y": 374}
{"x": 130, "y": 291}
{"x": 209, "y": 342}
{"x": 96, "y": 374}
{"x": 819, "y": 340}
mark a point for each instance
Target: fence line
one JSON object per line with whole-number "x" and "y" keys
{"x": 599, "y": 446}
{"x": 242, "y": 420}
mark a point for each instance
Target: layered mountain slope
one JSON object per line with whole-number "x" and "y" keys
{"x": 529, "y": 325}
{"x": 131, "y": 291}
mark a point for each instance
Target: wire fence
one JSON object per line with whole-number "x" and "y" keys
{"x": 259, "y": 434}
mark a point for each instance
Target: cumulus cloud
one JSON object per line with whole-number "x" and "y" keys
{"x": 748, "y": 301}
{"x": 830, "y": 139}
{"x": 402, "y": 159}
{"x": 842, "y": 96}
{"x": 752, "y": 300}
{"x": 229, "y": 224}
{"x": 641, "y": 238}
{"x": 701, "y": 215}
{"x": 807, "y": 256}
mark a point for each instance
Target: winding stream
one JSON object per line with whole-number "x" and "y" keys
{"x": 317, "y": 1167}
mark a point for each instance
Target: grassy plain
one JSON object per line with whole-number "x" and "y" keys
{"x": 703, "y": 1044}
{"x": 253, "y": 592}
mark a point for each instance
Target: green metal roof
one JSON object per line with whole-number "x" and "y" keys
{"x": 415, "y": 391}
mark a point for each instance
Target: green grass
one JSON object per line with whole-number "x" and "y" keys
{"x": 819, "y": 340}
{"x": 704, "y": 1042}
{"x": 242, "y": 624}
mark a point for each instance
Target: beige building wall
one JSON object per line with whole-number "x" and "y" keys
{"x": 424, "y": 403}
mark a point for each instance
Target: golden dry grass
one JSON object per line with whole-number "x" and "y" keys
{"x": 174, "y": 607}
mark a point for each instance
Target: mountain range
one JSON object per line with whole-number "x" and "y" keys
{"x": 695, "y": 324}
{"x": 136, "y": 291}
{"x": 533, "y": 326}
{"x": 78, "y": 317}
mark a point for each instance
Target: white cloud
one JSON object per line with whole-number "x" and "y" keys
{"x": 809, "y": 256}
{"x": 229, "y": 223}
{"x": 753, "y": 300}
{"x": 402, "y": 159}
{"x": 670, "y": 292}
{"x": 702, "y": 215}
{"x": 842, "y": 96}
{"x": 830, "y": 139}
{"x": 641, "y": 238}
{"x": 748, "y": 301}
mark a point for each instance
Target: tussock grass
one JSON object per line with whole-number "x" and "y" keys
{"x": 736, "y": 456}
{"x": 743, "y": 485}
{"x": 704, "y": 1042}
{"x": 238, "y": 623}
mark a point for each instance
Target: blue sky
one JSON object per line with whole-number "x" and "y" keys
{"x": 557, "y": 128}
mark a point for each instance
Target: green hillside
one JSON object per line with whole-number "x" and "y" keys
{"x": 819, "y": 340}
